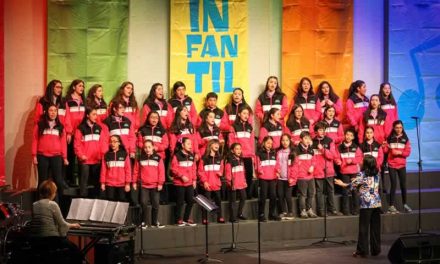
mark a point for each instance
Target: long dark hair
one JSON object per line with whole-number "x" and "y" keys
{"x": 269, "y": 114}
{"x": 393, "y": 133}
{"x": 179, "y": 145}
{"x": 114, "y": 104}
{"x": 292, "y": 119}
{"x": 380, "y": 113}
{"x": 333, "y": 97}
{"x": 147, "y": 122}
{"x": 175, "y": 86}
{"x": 120, "y": 93}
{"x": 277, "y": 89}
{"x": 208, "y": 148}
{"x": 86, "y": 113}
{"x": 354, "y": 86}
{"x": 90, "y": 100}
{"x": 47, "y": 98}
{"x": 382, "y": 95}
{"x": 237, "y": 119}
{"x": 265, "y": 139}
{"x": 204, "y": 126}
{"x": 369, "y": 166}
{"x": 43, "y": 123}
{"x": 152, "y": 95}
{"x": 72, "y": 89}
{"x": 243, "y": 101}
{"x": 300, "y": 90}
{"x": 176, "y": 125}
{"x": 121, "y": 144}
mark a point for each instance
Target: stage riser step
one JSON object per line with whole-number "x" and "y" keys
{"x": 180, "y": 237}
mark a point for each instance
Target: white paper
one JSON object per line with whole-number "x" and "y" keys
{"x": 120, "y": 213}
{"x": 98, "y": 210}
{"x": 99, "y": 207}
{"x": 74, "y": 207}
{"x": 108, "y": 213}
{"x": 85, "y": 209}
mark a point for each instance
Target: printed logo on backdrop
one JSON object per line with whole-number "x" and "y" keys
{"x": 209, "y": 47}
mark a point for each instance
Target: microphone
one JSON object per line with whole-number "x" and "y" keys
{"x": 415, "y": 117}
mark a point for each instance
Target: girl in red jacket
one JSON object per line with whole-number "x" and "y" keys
{"x": 307, "y": 99}
{"x": 375, "y": 117}
{"x": 297, "y": 123}
{"x": 236, "y": 182}
{"x": 154, "y": 131}
{"x": 207, "y": 131}
{"x": 349, "y": 158}
{"x": 91, "y": 142}
{"x": 210, "y": 171}
{"x": 357, "y": 103}
{"x": 183, "y": 172}
{"x": 286, "y": 158}
{"x": 306, "y": 184}
{"x": 231, "y": 110}
{"x": 388, "y": 103}
{"x": 398, "y": 148}
{"x": 156, "y": 102}
{"x": 75, "y": 108}
{"x": 115, "y": 171}
{"x": 179, "y": 98}
{"x": 126, "y": 95}
{"x": 95, "y": 100}
{"x": 268, "y": 171}
{"x": 242, "y": 132}
{"x": 211, "y": 106}
{"x": 334, "y": 128}
{"x": 182, "y": 127}
{"x": 371, "y": 147}
{"x": 327, "y": 98}
{"x": 324, "y": 172}
{"x": 272, "y": 126}
{"x": 49, "y": 147}
{"x": 149, "y": 173}
{"x": 272, "y": 97}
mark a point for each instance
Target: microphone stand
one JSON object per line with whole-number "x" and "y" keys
{"x": 325, "y": 240}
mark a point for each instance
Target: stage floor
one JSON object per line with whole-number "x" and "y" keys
{"x": 282, "y": 252}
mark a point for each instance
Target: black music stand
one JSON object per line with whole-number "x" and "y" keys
{"x": 208, "y": 207}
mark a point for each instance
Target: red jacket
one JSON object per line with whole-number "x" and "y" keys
{"x": 355, "y": 108}
{"x": 351, "y": 152}
{"x": 183, "y": 165}
{"x": 149, "y": 170}
{"x": 323, "y": 165}
{"x": 235, "y": 173}
{"x": 381, "y": 125}
{"x": 391, "y": 111}
{"x": 90, "y": 141}
{"x": 51, "y": 143}
{"x": 335, "y": 131}
{"x": 185, "y": 131}
{"x": 295, "y": 129}
{"x": 267, "y": 166}
{"x": 173, "y": 103}
{"x": 293, "y": 174}
{"x": 265, "y": 103}
{"x": 203, "y": 137}
{"x": 374, "y": 149}
{"x": 76, "y": 110}
{"x": 156, "y": 134}
{"x": 243, "y": 133}
{"x": 275, "y": 131}
{"x": 311, "y": 106}
{"x": 121, "y": 126}
{"x": 210, "y": 170}
{"x": 305, "y": 159}
{"x": 165, "y": 113}
{"x": 63, "y": 115}
{"x": 231, "y": 111}
{"x": 102, "y": 112}
{"x": 397, "y": 144}
{"x": 338, "y": 109}
{"x": 220, "y": 121}
{"x": 115, "y": 169}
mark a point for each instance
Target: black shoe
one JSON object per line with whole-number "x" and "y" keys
{"x": 375, "y": 254}
{"x": 261, "y": 218}
{"x": 242, "y": 217}
{"x": 334, "y": 213}
{"x": 359, "y": 254}
{"x": 275, "y": 218}
{"x": 233, "y": 220}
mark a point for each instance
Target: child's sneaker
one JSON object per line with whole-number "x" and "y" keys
{"x": 311, "y": 214}
{"x": 158, "y": 225}
{"x": 290, "y": 216}
{"x": 221, "y": 220}
{"x": 181, "y": 223}
{"x": 144, "y": 226}
{"x": 304, "y": 214}
{"x": 190, "y": 223}
{"x": 392, "y": 210}
{"x": 407, "y": 208}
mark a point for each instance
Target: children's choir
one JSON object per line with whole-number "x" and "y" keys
{"x": 301, "y": 148}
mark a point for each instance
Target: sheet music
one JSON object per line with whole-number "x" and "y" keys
{"x": 108, "y": 213}
{"x": 120, "y": 213}
{"x": 85, "y": 209}
{"x": 74, "y": 207}
{"x": 99, "y": 207}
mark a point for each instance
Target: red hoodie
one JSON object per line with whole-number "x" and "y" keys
{"x": 235, "y": 173}
{"x": 149, "y": 170}
{"x": 355, "y": 108}
{"x": 243, "y": 133}
{"x": 323, "y": 165}
{"x": 351, "y": 152}
{"x": 381, "y": 125}
{"x": 311, "y": 106}
{"x": 102, "y": 112}
{"x": 183, "y": 164}
{"x": 90, "y": 141}
{"x": 161, "y": 107}
{"x": 304, "y": 160}
{"x": 335, "y": 131}
{"x": 231, "y": 112}
{"x": 115, "y": 169}
{"x": 219, "y": 120}
{"x": 186, "y": 130}
{"x": 273, "y": 130}
{"x": 157, "y": 135}
{"x": 173, "y": 103}
{"x": 374, "y": 149}
{"x": 132, "y": 113}
{"x": 210, "y": 170}
{"x": 76, "y": 109}
{"x": 390, "y": 109}
{"x": 295, "y": 129}
{"x": 49, "y": 144}
{"x": 265, "y": 103}
{"x": 267, "y": 165}
{"x": 63, "y": 115}
{"x": 397, "y": 144}
{"x": 122, "y": 126}
{"x": 204, "y": 136}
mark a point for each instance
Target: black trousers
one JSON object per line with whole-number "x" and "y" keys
{"x": 267, "y": 189}
{"x": 369, "y": 226}
{"x": 384, "y": 167}
{"x": 184, "y": 194}
{"x": 216, "y": 196}
{"x": 252, "y": 188}
{"x": 150, "y": 195}
{"x": 70, "y": 169}
{"x": 394, "y": 173}
{"x": 306, "y": 193}
{"x": 284, "y": 194}
{"x": 233, "y": 213}
{"x": 89, "y": 176}
{"x": 50, "y": 166}
{"x": 346, "y": 178}
{"x": 324, "y": 187}
{"x": 114, "y": 194}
